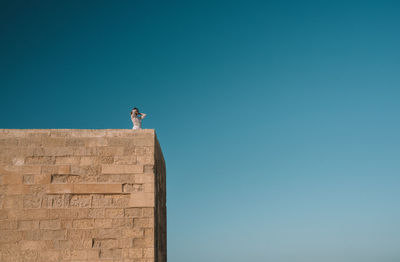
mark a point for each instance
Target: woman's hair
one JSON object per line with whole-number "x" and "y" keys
{"x": 136, "y": 110}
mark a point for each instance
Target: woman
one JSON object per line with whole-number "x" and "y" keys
{"x": 137, "y": 118}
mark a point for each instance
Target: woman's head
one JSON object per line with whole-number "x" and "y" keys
{"x": 135, "y": 111}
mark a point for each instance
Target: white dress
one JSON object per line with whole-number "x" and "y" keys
{"x": 137, "y": 121}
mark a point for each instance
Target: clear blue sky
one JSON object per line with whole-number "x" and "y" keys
{"x": 279, "y": 121}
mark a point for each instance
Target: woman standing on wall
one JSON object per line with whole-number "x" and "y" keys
{"x": 136, "y": 118}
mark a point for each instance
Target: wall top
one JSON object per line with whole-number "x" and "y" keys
{"x": 77, "y": 138}
{"x": 77, "y": 132}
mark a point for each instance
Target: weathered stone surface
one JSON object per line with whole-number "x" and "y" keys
{"x": 82, "y": 195}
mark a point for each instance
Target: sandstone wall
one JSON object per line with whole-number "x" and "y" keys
{"x": 82, "y": 195}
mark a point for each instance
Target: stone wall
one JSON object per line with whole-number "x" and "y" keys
{"x": 160, "y": 216}
{"x": 82, "y": 195}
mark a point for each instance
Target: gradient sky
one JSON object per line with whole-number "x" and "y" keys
{"x": 279, "y": 121}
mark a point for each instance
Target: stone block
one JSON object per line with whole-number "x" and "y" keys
{"x": 149, "y": 187}
{"x": 12, "y": 202}
{"x": 28, "y": 224}
{"x": 129, "y": 187}
{"x": 70, "y": 213}
{"x": 116, "y": 178}
{"x": 85, "y": 170}
{"x": 107, "y": 243}
{"x": 141, "y": 199}
{"x": 125, "y": 160}
{"x": 110, "y": 151}
{"x": 53, "y": 234}
{"x": 97, "y": 141}
{"x": 143, "y": 222}
{"x": 32, "y": 201}
{"x": 80, "y": 234}
{"x": 9, "y": 142}
{"x": 64, "y": 169}
{"x": 55, "y": 201}
{"x": 133, "y": 212}
{"x": 107, "y": 232}
{"x": 55, "y": 151}
{"x": 71, "y": 142}
{"x": 28, "y": 179}
{"x": 33, "y": 235}
{"x": 115, "y": 253}
{"x": 8, "y": 224}
{"x": 78, "y": 254}
{"x": 143, "y": 242}
{"x": 42, "y": 179}
{"x": 92, "y": 254}
{"x": 67, "y": 160}
{"x": 133, "y": 233}
{"x": 114, "y": 212}
{"x": 97, "y": 188}
{"x": 148, "y": 252}
{"x": 52, "y": 142}
{"x": 144, "y": 178}
{"x": 49, "y": 255}
{"x": 97, "y": 213}
{"x": 50, "y": 224}
{"x": 100, "y": 201}
{"x": 66, "y": 223}
{"x": 59, "y": 178}
{"x": 30, "y": 170}
{"x": 122, "y": 222}
{"x": 20, "y": 214}
{"x": 121, "y": 169}
{"x": 125, "y": 243}
{"x": 147, "y": 212}
{"x": 85, "y": 151}
{"x": 148, "y": 233}
{"x": 103, "y": 223}
{"x": 83, "y": 223}
{"x": 119, "y": 200}
{"x": 34, "y": 245}
{"x": 18, "y": 161}
{"x": 145, "y": 160}
{"x": 60, "y": 189}
{"x": 81, "y": 201}
{"x": 133, "y": 253}
{"x": 40, "y": 160}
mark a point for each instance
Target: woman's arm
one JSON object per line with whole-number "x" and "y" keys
{"x": 143, "y": 115}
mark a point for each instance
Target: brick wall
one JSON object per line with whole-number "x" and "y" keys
{"x": 82, "y": 195}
